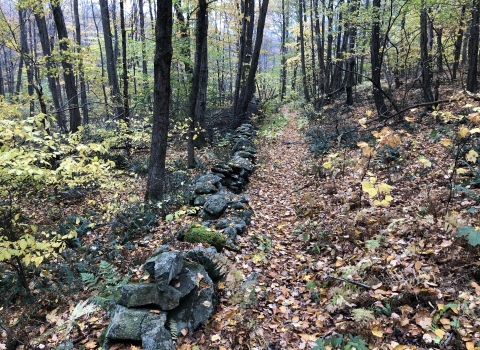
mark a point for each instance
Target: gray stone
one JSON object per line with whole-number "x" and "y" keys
{"x": 245, "y": 215}
{"x": 198, "y": 306}
{"x": 154, "y": 334}
{"x": 164, "y": 267}
{"x": 222, "y": 169}
{"x": 200, "y": 200}
{"x": 141, "y": 294}
{"x": 245, "y": 154}
{"x": 184, "y": 282}
{"x": 126, "y": 324}
{"x": 237, "y": 205}
{"x": 214, "y": 179}
{"x": 223, "y": 223}
{"x": 231, "y": 232}
{"x": 205, "y": 188}
{"x": 214, "y": 206}
{"x": 205, "y": 257}
{"x": 242, "y": 144}
{"x": 239, "y": 163}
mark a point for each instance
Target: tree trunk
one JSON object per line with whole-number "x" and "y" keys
{"x": 68, "y": 74}
{"x": 458, "y": 45}
{"x": 473, "y": 48}
{"x": 110, "y": 57}
{"x": 424, "y": 52}
{"x": 25, "y": 57}
{"x": 250, "y": 84}
{"x": 161, "y": 101}
{"x": 283, "y": 76}
{"x": 2, "y": 80}
{"x": 302, "y": 51}
{"x": 312, "y": 43}
{"x": 376, "y": 60}
{"x": 144, "y": 50}
{"x": 52, "y": 84}
{"x": 126, "y": 108}
{"x": 351, "y": 64}
{"x": 328, "y": 72}
{"x": 201, "y": 105}
{"x": 105, "y": 99}
{"x": 83, "y": 87}
{"x": 200, "y": 40}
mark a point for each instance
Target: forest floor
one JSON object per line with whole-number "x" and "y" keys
{"x": 353, "y": 242}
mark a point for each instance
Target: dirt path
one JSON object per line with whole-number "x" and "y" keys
{"x": 277, "y": 312}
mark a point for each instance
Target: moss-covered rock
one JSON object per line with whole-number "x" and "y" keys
{"x": 202, "y": 234}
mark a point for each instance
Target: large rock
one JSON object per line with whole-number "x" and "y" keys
{"x": 206, "y": 257}
{"x": 201, "y": 234}
{"x": 126, "y": 324}
{"x": 198, "y": 306}
{"x": 141, "y": 294}
{"x": 238, "y": 164}
{"x": 185, "y": 281}
{"x": 243, "y": 144}
{"x": 154, "y": 335}
{"x": 214, "y": 206}
{"x": 164, "y": 267}
{"x": 204, "y": 188}
{"x": 149, "y": 265}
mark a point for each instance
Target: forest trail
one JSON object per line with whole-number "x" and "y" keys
{"x": 276, "y": 312}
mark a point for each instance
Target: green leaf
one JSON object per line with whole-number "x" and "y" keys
{"x": 470, "y": 233}
{"x": 169, "y": 217}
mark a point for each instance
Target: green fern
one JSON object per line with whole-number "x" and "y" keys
{"x": 172, "y": 325}
{"x": 105, "y": 285}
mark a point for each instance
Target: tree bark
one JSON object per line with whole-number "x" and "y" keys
{"x": 26, "y": 59}
{"x": 110, "y": 56}
{"x": 351, "y": 64}
{"x": 306, "y": 93}
{"x": 81, "y": 73}
{"x": 425, "y": 57}
{"x": 125, "y": 101}
{"x": 458, "y": 45}
{"x": 473, "y": 48}
{"x": 161, "y": 102}
{"x": 376, "y": 60}
{"x": 283, "y": 76}
{"x": 250, "y": 84}
{"x": 2, "y": 80}
{"x": 52, "y": 84}
{"x": 68, "y": 74}
{"x": 200, "y": 41}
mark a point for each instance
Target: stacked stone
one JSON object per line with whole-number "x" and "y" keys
{"x": 181, "y": 297}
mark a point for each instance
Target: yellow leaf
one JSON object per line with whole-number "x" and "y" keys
{"x": 463, "y": 132}
{"x": 23, "y": 244}
{"x": 362, "y": 122}
{"x": 475, "y": 130}
{"x": 426, "y": 163}
{"x": 446, "y": 142}
{"x": 327, "y": 165}
{"x": 384, "y": 188}
{"x": 369, "y": 188}
{"x": 368, "y": 113}
{"x": 469, "y": 345}
{"x": 377, "y": 332}
{"x": 410, "y": 119}
{"x": 256, "y": 258}
{"x": 471, "y": 156}
{"x": 439, "y": 333}
{"x": 362, "y": 144}
{"x": 216, "y": 337}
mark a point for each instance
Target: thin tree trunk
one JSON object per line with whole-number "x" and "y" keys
{"x": 26, "y": 59}
{"x": 105, "y": 99}
{"x": 83, "y": 87}
{"x": 201, "y": 105}
{"x": 376, "y": 60}
{"x": 2, "y": 80}
{"x": 250, "y": 84}
{"x": 126, "y": 108}
{"x": 161, "y": 101}
{"x": 68, "y": 74}
{"x": 283, "y": 74}
{"x": 458, "y": 45}
{"x": 306, "y": 93}
{"x": 144, "y": 51}
{"x": 351, "y": 64}
{"x": 328, "y": 73}
{"x": 312, "y": 42}
{"x": 200, "y": 35}
{"x": 110, "y": 57}
{"x": 424, "y": 42}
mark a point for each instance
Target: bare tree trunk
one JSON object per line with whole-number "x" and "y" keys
{"x": 201, "y": 105}
{"x": 27, "y": 59}
{"x": 250, "y": 84}
{"x": 110, "y": 57}
{"x": 458, "y": 45}
{"x": 312, "y": 43}
{"x": 126, "y": 108}
{"x": 68, "y": 74}
{"x": 377, "y": 59}
{"x": 426, "y": 75}
{"x": 200, "y": 41}
{"x": 328, "y": 72}
{"x": 283, "y": 76}
{"x": 306, "y": 93}
{"x": 351, "y": 64}
{"x": 83, "y": 87}
{"x": 473, "y": 48}
{"x": 161, "y": 101}
{"x": 2, "y": 80}
{"x": 144, "y": 51}
{"x": 105, "y": 99}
